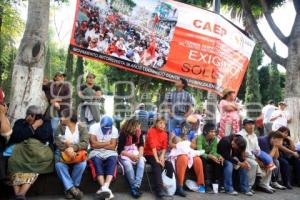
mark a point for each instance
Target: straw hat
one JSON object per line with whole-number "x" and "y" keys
{"x": 226, "y": 92}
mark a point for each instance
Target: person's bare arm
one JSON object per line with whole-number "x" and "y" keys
{"x": 285, "y": 150}
{"x": 189, "y": 112}
{"x": 172, "y": 144}
{"x": 96, "y": 144}
{"x": 273, "y": 152}
{"x": 194, "y": 144}
{"x": 292, "y": 144}
{"x": 231, "y": 107}
{"x": 5, "y": 128}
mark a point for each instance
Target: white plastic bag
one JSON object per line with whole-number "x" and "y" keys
{"x": 169, "y": 183}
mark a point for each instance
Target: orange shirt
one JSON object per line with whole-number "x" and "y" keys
{"x": 155, "y": 139}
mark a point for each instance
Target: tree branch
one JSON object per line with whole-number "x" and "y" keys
{"x": 274, "y": 27}
{"x": 297, "y": 5}
{"x": 251, "y": 22}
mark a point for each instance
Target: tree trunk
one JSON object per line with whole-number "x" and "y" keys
{"x": 29, "y": 65}
{"x": 292, "y": 84}
{"x": 69, "y": 68}
{"x": 78, "y": 71}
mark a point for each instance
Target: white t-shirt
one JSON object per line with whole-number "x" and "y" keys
{"x": 252, "y": 142}
{"x": 72, "y": 137}
{"x": 280, "y": 121}
{"x": 103, "y": 153}
{"x": 267, "y": 112}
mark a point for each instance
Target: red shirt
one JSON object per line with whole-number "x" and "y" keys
{"x": 155, "y": 139}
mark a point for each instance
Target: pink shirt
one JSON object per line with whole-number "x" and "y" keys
{"x": 229, "y": 115}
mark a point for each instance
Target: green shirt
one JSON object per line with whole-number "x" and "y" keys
{"x": 208, "y": 147}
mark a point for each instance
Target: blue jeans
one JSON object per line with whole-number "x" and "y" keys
{"x": 68, "y": 180}
{"x": 54, "y": 124}
{"x": 134, "y": 179}
{"x": 228, "y": 172}
{"x": 174, "y": 122}
{"x": 104, "y": 167}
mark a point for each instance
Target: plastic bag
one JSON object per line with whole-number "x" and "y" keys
{"x": 169, "y": 183}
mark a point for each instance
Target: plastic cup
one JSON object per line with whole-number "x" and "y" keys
{"x": 216, "y": 188}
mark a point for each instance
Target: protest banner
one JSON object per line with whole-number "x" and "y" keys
{"x": 163, "y": 39}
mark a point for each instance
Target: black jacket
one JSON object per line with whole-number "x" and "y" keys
{"x": 227, "y": 152}
{"x": 22, "y": 131}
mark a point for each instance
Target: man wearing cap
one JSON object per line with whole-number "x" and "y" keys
{"x": 267, "y": 112}
{"x": 103, "y": 141}
{"x": 58, "y": 94}
{"x": 91, "y": 95}
{"x": 280, "y": 117}
{"x": 143, "y": 117}
{"x": 252, "y": 146}
{"x": 180, "y": 104}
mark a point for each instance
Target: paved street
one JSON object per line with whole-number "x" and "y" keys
{"x": 280, "y": 195}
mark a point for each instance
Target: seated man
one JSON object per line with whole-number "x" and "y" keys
{"x": 232, "y": 148}
{"x": 104, "y": 137}
{"x": 271, "y": 144}
{"x": 252, "y": 146}
{"x": 212, "y": 161}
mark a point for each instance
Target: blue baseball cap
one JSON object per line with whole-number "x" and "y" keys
{"x": 106, "y": 124}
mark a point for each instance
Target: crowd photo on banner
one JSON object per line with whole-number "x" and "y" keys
{"x": 184, "y": 151}
{"x": 138, "y": 34}
{"x": 167, "y": 150}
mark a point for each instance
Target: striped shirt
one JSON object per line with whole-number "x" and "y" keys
{"x": 179, "y": 102}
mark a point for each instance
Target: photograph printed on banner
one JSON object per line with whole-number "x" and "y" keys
{"x": 139, "y": 31}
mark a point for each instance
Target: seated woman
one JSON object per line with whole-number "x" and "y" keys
{"x": 72, "y": 140}
{"x": 156, "y": 145}
{"x": 288, "y": 156}
{"x": 5, "y": 132}
{"x": 131, "y": 151}
{"x": 183, "y": 142}
{"x": 32, "y": 154}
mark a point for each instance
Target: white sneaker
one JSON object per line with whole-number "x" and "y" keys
{"x": 276, "y": 185}
{"x": 271, "y": 188}
{"x": 191, "y": 185}
{"x": 111, "y": 195}
{"x": 103, "y": 193}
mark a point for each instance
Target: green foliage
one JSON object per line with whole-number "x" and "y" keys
{"x": 235, "y": 6}
{"x": 198, "y": 3}
{"x": 253, "y": 97}
{"x": 11, "y": 26}
{"x": 264, "y": 81}
{"x": 242, "y": 90}
{"x": 274, "y": 89}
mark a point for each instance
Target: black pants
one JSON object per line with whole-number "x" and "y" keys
{"x": 157, "y": 170}
{"x": 212, "y": 171}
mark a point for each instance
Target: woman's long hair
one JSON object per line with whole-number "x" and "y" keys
{"x": 284, "y": 129}
{"x": 130, "y": 126}
{"x": 159, "y": 119}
